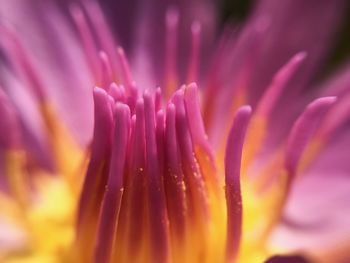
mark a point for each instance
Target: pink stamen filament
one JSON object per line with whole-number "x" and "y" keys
{"x": 233, "y": 158}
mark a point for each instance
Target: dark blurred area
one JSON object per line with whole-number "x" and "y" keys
{"x": 235, "y": 10}
{"x": 287, "y": 259}
{"x": 238, "y": 10}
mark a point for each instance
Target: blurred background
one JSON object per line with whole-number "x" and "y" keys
{"x": 237, "y": 10}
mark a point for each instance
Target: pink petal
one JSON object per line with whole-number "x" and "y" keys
{"x": 317, "y": 215}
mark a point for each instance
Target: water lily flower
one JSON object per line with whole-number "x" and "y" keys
{"x": 172, "y": 141}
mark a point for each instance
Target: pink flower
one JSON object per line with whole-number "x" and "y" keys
{"x": 98, "y": 164}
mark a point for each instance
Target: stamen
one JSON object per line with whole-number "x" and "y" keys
{"x": 102, "y": 31}
{"x": 195, "y": 50}
{"x": 220, "y": 55}
{"x": 233, "y": 158}
{"x": 131, "y": 225}
{"x": 96, "y": 176}
{"x": 232, "y": 90}
{"x": 337, "y": 116}
{"x": 157, "y": 206}
{"x": 160, "y": 130}
{"x": 258, "y": 126}
{"x": 106, "y": 70}
{"x": 125, "y": 69}
{"x": 21, "y": 62}
{"x": 174, "y": 178}
{"x": 279, "y": 82}
{"x": 117, "y": 92}
{"x": 302, "y": 132}
{"x": 199, "y": 135}
{"x": 171, "y": 23}
{"x": 137, "y": 179}
{"x": 202, "y": 147}
{"x": 158, "y": 99}
{"x": 114, "y": 189}
{"x": 87, "y": 40}
{"x": 196, "y": 191}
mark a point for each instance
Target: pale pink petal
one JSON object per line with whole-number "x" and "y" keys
{"x": 317, "y": 215}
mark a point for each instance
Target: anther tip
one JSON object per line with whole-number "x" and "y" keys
{"x": 192, "y": 85}
{"x": 326, "y": 101}
{"x": 196, "y": 27}
{"x": 172, "y": 16}
{"x": 300, "y": 56}
{"x": 98, "y": 90}
{"x": 245, "y": 110}
{"x": 120, "y": 51}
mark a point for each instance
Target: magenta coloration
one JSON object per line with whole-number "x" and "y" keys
{"x": 303, "y": 130}
{"x": 232, "y": 179}
{"x": 103, "y": 151}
